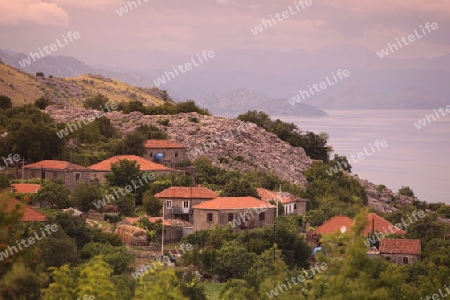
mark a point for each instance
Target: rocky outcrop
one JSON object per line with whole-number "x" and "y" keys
{"x": 383, "y": 199}
{"x": 229, "y": 143}
{"x": 132, "y": 235}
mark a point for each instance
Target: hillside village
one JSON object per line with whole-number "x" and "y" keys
{"x": 158, "y": 198}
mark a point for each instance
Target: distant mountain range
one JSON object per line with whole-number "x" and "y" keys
{"x": 240, "y": 101}
{"x": 374, "y": 83}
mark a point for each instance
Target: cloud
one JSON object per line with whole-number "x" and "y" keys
{"x": 32, "y": 11}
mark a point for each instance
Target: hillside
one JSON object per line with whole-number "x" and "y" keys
{"x": 25, "y": 88}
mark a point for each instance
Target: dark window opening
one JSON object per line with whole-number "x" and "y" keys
{"x": 209, "y": 217}
{"x": 230, "y": 217}
{"x": 262, "y": 216}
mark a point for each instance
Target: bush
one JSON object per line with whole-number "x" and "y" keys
{"x": 95, "y": 102}
{"x": 193, "y": 119}
{"x": 164, "y": 122}
{"x": 113, "y": 219}
{"x": 4, "y": 182}
{"x": 406, "y": 191}
{"x": 117, "y": 257}
{"x": 40, "y": 74}
{"x": 42, "y": 103}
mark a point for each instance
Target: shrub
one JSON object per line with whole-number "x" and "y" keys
{"x": 164, "y": 122}
{"x": 193, "y": 119}
{"x": 112, "y": 218}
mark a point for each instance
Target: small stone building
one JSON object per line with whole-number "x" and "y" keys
{"x": 165, "y": 152}
{"x": 178, "y": 201}
{"x": 98, "y": 170}
{"x": 70, "y": 174}
{"x": 239, "y": 212}
{"x": 291, "y": 203}
{"x": 400, "y": 251}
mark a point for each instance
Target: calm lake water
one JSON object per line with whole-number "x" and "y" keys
{"x": 419, "y": 158}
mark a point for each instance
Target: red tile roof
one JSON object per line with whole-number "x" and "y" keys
{"x": 55, "y": 165}
{"x": 233, "y": 203}
{"x": 373, "y": 220}
{"x": 162, "y": 144}
{"x": 30, "y": 214}
{"x": 399, "y": 246}
{"x": 334, "y": 224}
{"x": 267, "y": 195}
{"x": 145, "y": 165}
{"x": 151, "y": 219}
{"x": 187, "y": 193}
{"x": 381, "y": 225}
{"x": 25, "y": 188}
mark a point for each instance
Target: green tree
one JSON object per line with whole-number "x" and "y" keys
{"x": 239, "y": 187}
{"x": 123, "y": 172}
{"x": 406, "y": 190}
{"x": 54, "y": 194}
{"x": 96, "y": 102}
{"x": 63, "y": 285}
{"x": 4, "y": 182}
{"x": 152, "y": 205}
{"x": 58, "y": 249}
{"x": 95, "y": 280}
{"x": 151, "y": 132}
{"x": 5, "y": 102}
{"x": 233, "y": 261}
{"x": 117, "y": 257}
{"x": 133, "y": 143}
{"x": 85, "y": 195}
{"x": 42, "y": 103}
{"x": 159, "y": 284}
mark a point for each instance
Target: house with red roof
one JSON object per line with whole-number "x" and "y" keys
{"x": 239, "y": 212}
{"x": 70, "y": 174}
{"x": 291, "y": 203}
{"x": 29, "y": 213}
{"x": 165, "y": 152}
{"x": 25, "y": 188}
{"x": 98, "y": 170}
{"x": 178, "y": 201}
{"x": 400, "y": 251}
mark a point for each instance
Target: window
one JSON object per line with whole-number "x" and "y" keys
{"x": 405, "y": 260}
{"x": 295, "y": 205}
{"x": 186, "y": 204}
{"x": 55, "y": 174}
{"x": 151, "y": 154}
{"x": 209, "y": 217}
{"x": 246, "y": 216}
{"x": 77, "y": 176}
{"x": 169, "y": 204}
{"x": 42, "y": 175}
{"x": 176, "y": 153}
{"x": 230, "y": 217}
{"x": 262, "y": 216}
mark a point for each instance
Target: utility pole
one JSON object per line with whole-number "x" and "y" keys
{"x": 162, "y": 233}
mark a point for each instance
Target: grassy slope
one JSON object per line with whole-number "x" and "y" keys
{"x": 25, "y": 88}
{"x": 21, "y": 87}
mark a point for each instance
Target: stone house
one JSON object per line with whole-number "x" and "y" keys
{"x": 70, "y": 174}
{"x": 178, "y": 201}
{"x": 240, "y": 212}
{"x": 98, "y": 170}
{"x": 165, "y": 152}
{"x": 291, "y": 203}
{"x": 400, "y": 251}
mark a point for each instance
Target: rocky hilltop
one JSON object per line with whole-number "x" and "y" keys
{"x": 233, "y": 144}
{"x": 229, "y": 143}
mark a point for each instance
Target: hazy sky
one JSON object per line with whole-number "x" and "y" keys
{"x": 188, "y": 27}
